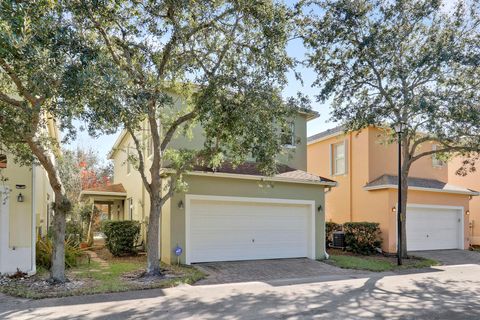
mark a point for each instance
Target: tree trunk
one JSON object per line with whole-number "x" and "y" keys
{"x": 153, "y": 259}
{"x": 57, "y": 271}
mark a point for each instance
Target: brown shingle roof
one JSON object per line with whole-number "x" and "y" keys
{"x": 385, "y": 181}
{"x": 111, "y": 188}
{"x": 251, "y": 168}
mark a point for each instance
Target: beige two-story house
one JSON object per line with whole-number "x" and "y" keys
{"x": 230, "y": 213}
{"x": 25, "y": 210}
{"x": 365, "y": 167}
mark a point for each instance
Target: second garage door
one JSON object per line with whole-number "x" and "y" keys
{"x": 431, "y": 228}
{"x": 246, "y": 229}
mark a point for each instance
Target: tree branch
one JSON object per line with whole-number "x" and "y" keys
{"x": 141, "y": 159}
{"x": 18, "y": 83}
{"x": 174, "y": 126}
{"x": 14, "y": 102}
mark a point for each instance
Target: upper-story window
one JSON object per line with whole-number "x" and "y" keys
{"x": 339, "y": 159}
{"x": 288, "y": 135}
{"x": 129, "y": 164}
{"x": 3, "y": 161}
{"x": 436, "y": 162}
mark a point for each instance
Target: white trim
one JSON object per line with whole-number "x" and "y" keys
{"x": 103, "y": 193}
{"x": 255, "y": 177}
{"x": 393, "y": 186}
{"x": 33, "y": 268}
{"x": 190, "y": 197}
{"x": 461, "y": 238}
{"x": 117, "y": 143}
{"x": 332, "y": 135}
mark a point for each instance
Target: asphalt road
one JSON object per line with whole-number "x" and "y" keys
{"x": 448, "y": 292}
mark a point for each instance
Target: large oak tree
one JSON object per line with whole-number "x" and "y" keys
{"x": 36, "y": 45}
{"x": 407, "y": 62}
{"x": 178, "y": 64}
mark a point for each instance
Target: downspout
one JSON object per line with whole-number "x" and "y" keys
{"x": 33, "y": 265}
{"x": 350, "y": 174}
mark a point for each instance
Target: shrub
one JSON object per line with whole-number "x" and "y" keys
{"x": 121, "y": 236}
{"x": 74, "y": 231}
{"x": 362, "y": 237}
{"x": 331, "y": 227}
{"x": 44, "y": 249}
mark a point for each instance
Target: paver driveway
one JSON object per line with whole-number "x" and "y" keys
{"x": 447, "y": 292}
{"x": 271, "y": 271}
{"x": 450, "y": 257}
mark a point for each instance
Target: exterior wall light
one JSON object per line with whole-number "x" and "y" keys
{"x": 394, "y": 209}
{"x": 180, "y": 204}
{"x": 20, "y": 198}
{"x": 467, "y": 212}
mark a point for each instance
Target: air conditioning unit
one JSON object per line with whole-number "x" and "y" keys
{"x": 338, "y": 240}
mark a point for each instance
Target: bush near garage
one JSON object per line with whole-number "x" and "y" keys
{"x": 330, "y": 228}
{"x": 121, "y": 236}
{"x": 362, "y": 237}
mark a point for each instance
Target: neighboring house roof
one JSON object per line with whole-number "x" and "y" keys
{"x": 112, "y": 190}
{"x": 251, "y": 169}
{"x": 326, "y": 134}
{"x": 391, "y": 182}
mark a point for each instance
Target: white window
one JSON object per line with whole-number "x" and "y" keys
{"x": 339, "y": 159}
{"x": 288, "y": 135}
{"x": 129, "y": 165}
{"x": 436, "y": 162}
{"x": 130, "y": 208}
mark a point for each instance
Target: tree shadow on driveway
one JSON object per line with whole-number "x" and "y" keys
{"x": 420, "y": 296}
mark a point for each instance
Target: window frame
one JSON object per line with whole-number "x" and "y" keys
{"x": 436, "y": 163}
{"x": 335, "y": 158}
{"x": 292, "y": 143}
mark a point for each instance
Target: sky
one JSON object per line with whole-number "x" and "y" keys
{"x": 295, "y": 49}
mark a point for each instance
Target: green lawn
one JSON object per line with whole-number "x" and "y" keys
{"x": 92, "y": 278}
{"x": 377, "y": 264}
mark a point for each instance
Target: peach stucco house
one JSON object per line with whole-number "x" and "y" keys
{"x": 472, "y": 181}
{"x": 365, "y": 167}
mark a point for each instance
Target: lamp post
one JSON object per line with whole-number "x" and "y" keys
{"x": 399, "y": 130}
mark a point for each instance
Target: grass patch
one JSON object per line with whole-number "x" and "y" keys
{"x": 378, "y": 263}
{"x": 117, "y": 275}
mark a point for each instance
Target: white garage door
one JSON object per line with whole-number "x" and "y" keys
{"x": 220, "y": 229}
{"x": 434, "y": 229}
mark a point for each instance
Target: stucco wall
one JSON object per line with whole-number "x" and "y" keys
{"x": 201, "y": 185}
{"x": 472, "y": 181}
{"x": 368, "y": 158}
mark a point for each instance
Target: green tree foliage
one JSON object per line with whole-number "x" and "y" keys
{"x": 158, "y": 68}
{"x": 406, "y": 62}
{"x": 36, "y": 55}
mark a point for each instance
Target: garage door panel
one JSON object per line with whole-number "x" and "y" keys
{"x": 433, "y": 228}
{"x": 238, "y": 230}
